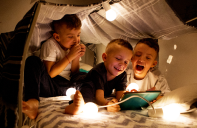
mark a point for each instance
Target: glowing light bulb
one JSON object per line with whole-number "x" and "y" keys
{"x": 132, "y": 86}
{"x": 70, "y": 93}
{"x": 171, "y": 111}
{"x": 110, "y": 15}
{"x": 90, "y": 109}
{"x": 168, "y": 112}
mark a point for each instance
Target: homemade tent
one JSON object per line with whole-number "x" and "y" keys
{"x": 161, "y": 19}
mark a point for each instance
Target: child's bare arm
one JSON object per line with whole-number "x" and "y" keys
{"x": 100, "y": 99}
{"x": 75, "y": 62}
{"x": 75, "y": 65}
{"x": 115, "y": 108}
{"x": 119, "y": 94}
{"x": 55, "y": 68}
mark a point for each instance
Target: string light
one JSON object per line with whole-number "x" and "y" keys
{"x": 168, "y": 112}
{"x": 70, "y": 93}
{"x": 132, "y": 86}
{"x": 110, "y": 14}
{"x": 92, "y": 109}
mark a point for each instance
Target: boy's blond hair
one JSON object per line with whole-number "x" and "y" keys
{"x": 120, "y": 42}
{"x": 70, "y": 20}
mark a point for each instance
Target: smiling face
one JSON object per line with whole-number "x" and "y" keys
{"x": 116, "y": 60}
{"x": 142, "y": 60}
{"x": 67, "y": 38}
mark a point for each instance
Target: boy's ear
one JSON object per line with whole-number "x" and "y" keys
{"x": 56, "y": 37}
{"x": 104, "y": 56}
{"x": 154, "y": 63}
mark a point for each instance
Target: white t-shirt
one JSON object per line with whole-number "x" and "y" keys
{"x": 150, "y": 80}
{"x": 52, "y": 51}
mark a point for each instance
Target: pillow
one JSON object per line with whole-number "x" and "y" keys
{"x": 84, "y": 67}
{"x": 184, "y": 96}
{"x": 82, "y": 70}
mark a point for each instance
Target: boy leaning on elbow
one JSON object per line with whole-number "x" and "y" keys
{"x": 104, "y": 77}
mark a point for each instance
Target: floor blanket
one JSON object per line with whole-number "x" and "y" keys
{"x": 51, "y": 115}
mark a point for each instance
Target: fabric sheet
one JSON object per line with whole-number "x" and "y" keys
{"x": 136, "y": 19}
{"x": 51, "y": 115}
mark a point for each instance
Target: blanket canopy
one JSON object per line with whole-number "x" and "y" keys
{"x": 136, "y": 19}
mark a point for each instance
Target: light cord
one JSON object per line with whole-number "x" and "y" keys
{"x": 110, "y": 105}
{"x": 126, "y": 100}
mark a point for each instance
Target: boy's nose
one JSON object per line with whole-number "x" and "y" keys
{"x": 141, "y": 59}
{"x": 122, "y": 63}
{"x": 76, "y": 42}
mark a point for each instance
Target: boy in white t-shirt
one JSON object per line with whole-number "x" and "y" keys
{"x": 49, "y": 75}
{"x": 144, "y": 59}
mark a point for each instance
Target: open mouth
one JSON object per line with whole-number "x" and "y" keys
{"x": 139, "y": 67}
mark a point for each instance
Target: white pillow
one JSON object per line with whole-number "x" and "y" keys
{"x": 184, "y": 96}
{"x": 85, "y": 66}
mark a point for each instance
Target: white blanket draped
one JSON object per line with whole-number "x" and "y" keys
{"x": 136, "y": 19}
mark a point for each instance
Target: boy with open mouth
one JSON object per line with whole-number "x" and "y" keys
{"x": 144, "y": 59}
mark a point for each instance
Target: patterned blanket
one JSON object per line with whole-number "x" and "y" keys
{"x": 51, "y": 115}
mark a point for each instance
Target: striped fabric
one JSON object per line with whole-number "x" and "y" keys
{"x": 12, "y": 47}
{"x": 4, "y": 42}
{"x": 51, "y": 115}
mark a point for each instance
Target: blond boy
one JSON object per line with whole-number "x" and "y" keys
{"x": 105, "y": 77}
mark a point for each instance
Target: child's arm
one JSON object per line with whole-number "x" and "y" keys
{"x": 102, "y": 101}
{"x": 75, "y": 62}
{"x": 55, "y": 68}
{"x": 119, "y": 94}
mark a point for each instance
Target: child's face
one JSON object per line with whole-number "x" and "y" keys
{"x": 116, "y": 61}
{"x": 142, "y": 60}
{"x": 67, "y": 38}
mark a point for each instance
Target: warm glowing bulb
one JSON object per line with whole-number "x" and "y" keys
{"x": 71, "y": 92}
{"x": 110, "y": 15}
{"x": 132, "y": 86}
{"x": 90, "y": 109}
{"x": 171, "y": 111}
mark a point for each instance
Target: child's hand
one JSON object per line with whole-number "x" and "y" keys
{"x": 83, "y": 49}
{"x": 151, "y": 89}
{"x": 114, "y": 108}
{"x": 75, "y": 51}
{"x": 159, "y": 97}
